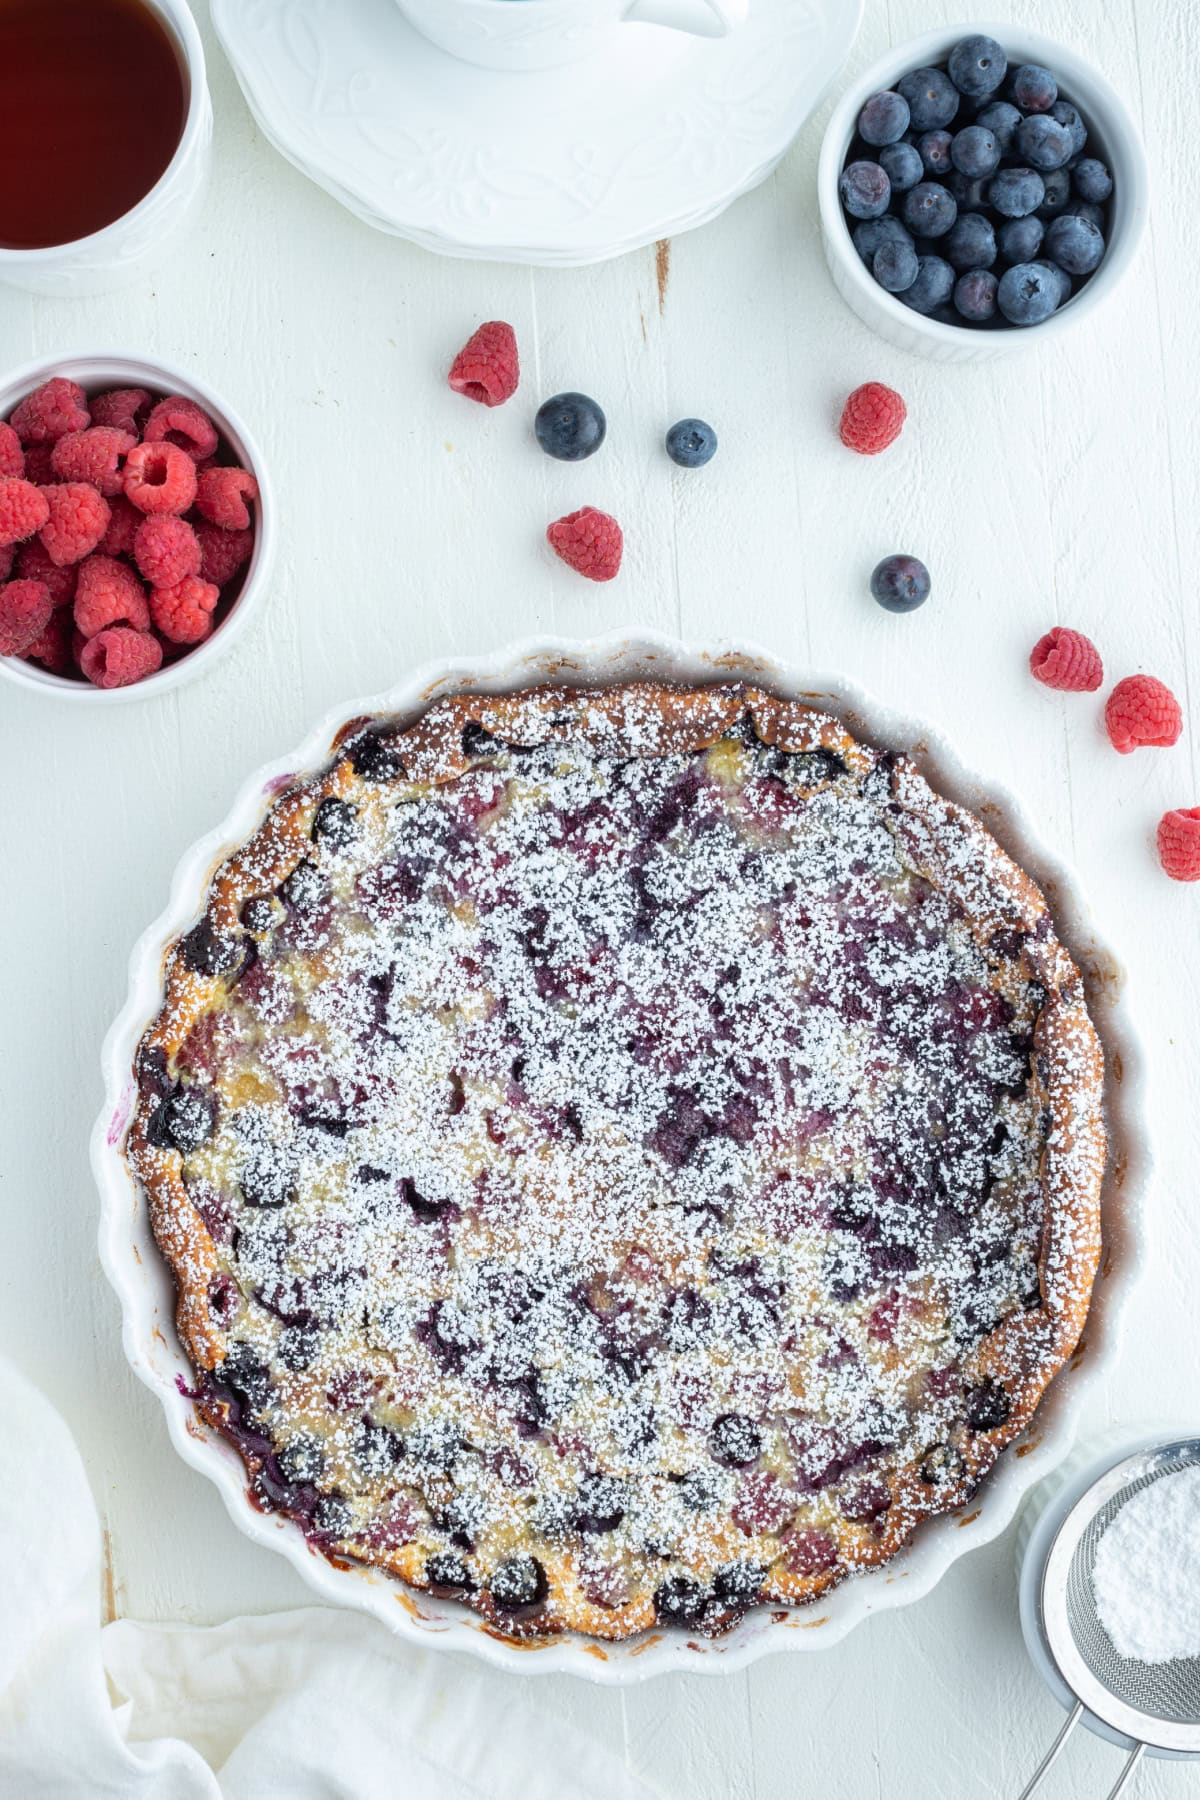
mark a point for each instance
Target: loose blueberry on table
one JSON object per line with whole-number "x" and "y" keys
{"x": 600, "y": 1144}
{"x": 973, "y": 171}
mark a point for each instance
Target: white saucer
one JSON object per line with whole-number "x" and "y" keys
{"x": 565, "y": 166}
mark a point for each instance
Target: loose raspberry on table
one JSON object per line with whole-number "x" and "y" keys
{"x": 221, "y": 496}
{"x": 1066, "y": 660}
{"x": 12, "y": 457}
{"x": 119, "y": 657}
{"x": 93, "y": 456}
{"x": 166, "y": 549}
{"x": 124, "y": 408}
{"x": 1179, "y": 843}
{"x": 179, "y": 421}
{"x": 183, "y": 613}
{"x": 873, "y": 418}
{"x": 53, "y": 648}
{"x": 122, "y": 528}
{"x": 34, "y": 564}
{"x": 25, "y": 611}
{"x": 588, "y": 541}
{"x": 160, "y": 478}
{"x": 109, "y": 593}
{"x": 222, "y": 553}
{"x": 24, "y": 509}
{"x": 53, "y": 409}
{"x": 1142, "y": 711}
{"x": 488, "y": 368}
{"x": 78, "y": 520}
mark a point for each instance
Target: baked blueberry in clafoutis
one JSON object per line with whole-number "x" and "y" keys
{"x": 973, "y": 192}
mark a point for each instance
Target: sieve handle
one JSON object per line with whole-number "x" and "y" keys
{"x": 1128, "y": 1771}
{"x": 1054, "y": 1752}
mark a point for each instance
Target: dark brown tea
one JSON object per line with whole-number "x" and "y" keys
{"x": 92, "y": 105}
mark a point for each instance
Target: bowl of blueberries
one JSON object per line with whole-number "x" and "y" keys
{"x": 981, "y": 188}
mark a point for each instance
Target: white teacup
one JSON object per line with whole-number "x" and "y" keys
{"x": 544, "y": 34}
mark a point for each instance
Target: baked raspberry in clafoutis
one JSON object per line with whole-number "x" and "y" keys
{"x": 125, "y": 531}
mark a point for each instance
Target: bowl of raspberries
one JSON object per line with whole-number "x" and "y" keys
{"x": 981, "y": 188}
{"x": 135, "y": 527}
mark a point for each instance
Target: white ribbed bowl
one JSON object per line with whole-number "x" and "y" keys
{"x": 1111, "y": 131}
{"x": 146, "y": 1289}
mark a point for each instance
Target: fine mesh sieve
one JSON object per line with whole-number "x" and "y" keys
{"x": 1156, "y": 1705}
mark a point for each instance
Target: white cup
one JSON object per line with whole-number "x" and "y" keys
{"x": 544, "y": 34}
{"x": 136, "y": 242}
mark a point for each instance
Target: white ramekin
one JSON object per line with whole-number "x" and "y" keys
{"x": 146, "y": 1291}
{"x": 126, "y": 249}
{"x": 1111, "y": 132}
{"x": 116, "y": 369}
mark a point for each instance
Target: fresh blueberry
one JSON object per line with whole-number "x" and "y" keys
{"x": 1021, "y": 239}
{"x": 1071, "y": 120}
{"x": 570, "y": 427}
{"x": 884, "y": 119}
{"x": 865, "y": 191}
{"x": 975, "y": 152}
{"x": 1016, "y": 192}
{"x": 1001, "y": 120}
{"x": 972, "y": 243}
{"x": 1033, "y": 88}
{"x": 691, "y": 443}
{"x": 1075, "y": 244}
{"x": 519, "y": 1582}
{"x": 1058, "y": 193}
{"x": 932, "y": 97}
{"x": 968, "y": 194}
{"x": 977, "y": 65}
{"x": 933, "y": 147}
{"x": 900, "y": 584}
{"x": 735, "y": 1440}
{"x": 1092, "y": 180}
{"x": 1043, "y": 142}
{"x": 975, "y": 295}
{"x": 895, "y": 267}
{"x": 1085, "y": 209}
{"x": 902, "y": 165}
{"x": 1029, "y": 294}
{"x": 933, "y": 286}
{"x": 1062, "y": 280}
{"x": 930, "y": 210}
{"x": 873, "y": 233}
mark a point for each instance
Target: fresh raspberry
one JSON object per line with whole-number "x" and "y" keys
{"x": 122, "y": 408}
{"x": 93, "y": 456}
{"x": 1142, "y": 711}
{"x": 34, "y": 564}
{"x": 589, "y": 541}
{"x": 222, "y": 553}
{"x": 12, "y": 457}
{"x": 119, "y": 657}
{"x": 1066, "y": 660}
{"x": 24, "y": 509}
{"x": 53, "y": 409}
{"x": 221, "y": 496}
{"x": 488, "y": 368}
{"x": 78, "y": 520}
{"x": 873, "y": 418}
{"x": 25, "y": 609}
{"x": 182, "y": 422}
{"x": 122, "y": 528}
{"x": 38, "y": 460}
{"x": 1179, "y": 843}
{"x": 109, "y": 593}
{"x": 166, "y": 549}
{"x": 183, "y": 613}
{"x": 160, "y": 478}
{"x": 53, "y": 648}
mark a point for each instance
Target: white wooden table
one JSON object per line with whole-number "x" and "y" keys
{"x": 1061, "y": 488}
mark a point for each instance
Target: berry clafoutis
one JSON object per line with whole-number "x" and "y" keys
{"x": 973, "y": 193}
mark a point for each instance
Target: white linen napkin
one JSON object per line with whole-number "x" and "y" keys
{"x": 314, "y": 1704}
